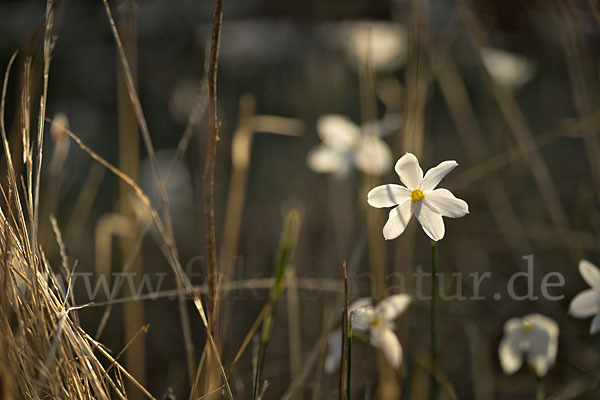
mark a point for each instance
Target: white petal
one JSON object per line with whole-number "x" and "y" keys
{"x": 540, "y": 363}
{"x": 338, "y": 131}
{"x": 373, "y": 156}
{"x": 325, "y": 159}
{"x": 409, "y": 171}
{"x": 430, "y": 220}
{"x": 512, "y": 325}
{"x": 397, "y": 220}
{"x": 436, "y": 174}
{"x": 362, "y": 318}
{"x": 590, "y": 273}
{"x": 334, "y": 352}
{"x": 585, "y": 304}
{"x": 362, "y": 302}
{"x": 387, "y": 341}
{"x": 510, "y": 356}
{"x": 542, "y": 351}
{"x": 449, "y": 206}
{"x": 541, "y": 343}
{"x": 595, "y": 324}
{"x": 543, "y": 323}
{"x": 391, "y": 307}
{"x": 388, "y": 196}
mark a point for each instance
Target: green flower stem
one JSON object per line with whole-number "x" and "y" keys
{"x": 539, "y": 389}
{"x": 349, "y": 356}
{"x": 433, "y": 391}
{"x": 286, "y": 249}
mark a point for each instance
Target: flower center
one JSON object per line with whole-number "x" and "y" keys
{"x": 417, "y": 195}
{"x": 377, "y": 322}
{"x": 528, "y": 327}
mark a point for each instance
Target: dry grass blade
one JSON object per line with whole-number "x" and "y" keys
{"x": 439, "y": 376}
{"x": 208, "y": 178}
{"x": 208, "y": 183}
{"x": 47, "y": 49}
{"x": 142, "y": 331}
{"x": 61, "y": 246}
{"x": 240, "y": 158}
{"x": 344, "y": 360}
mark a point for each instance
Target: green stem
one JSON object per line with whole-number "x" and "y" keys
{"x": 286, "y": 248}
{"x": 433, "y": 393}
{"x": 539, "y": 390}
{"x": 349, "y": 356}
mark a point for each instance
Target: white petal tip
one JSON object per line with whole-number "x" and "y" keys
{"x": 373, "y": 203}
{"x": 390, "y": 237}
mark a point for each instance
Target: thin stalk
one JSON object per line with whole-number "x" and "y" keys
{"x": 48, "y": 47}
{"x": 343, "y": 331}
{"x": 129, "y": 159}
{"x": 539, "y": 388}
{"x": 286, "y": 249}
{"x": 208, "y": 178}
{"x": 345, "y": 360}
{"x": 433, "y": 391}
{"x": 349, "y": 356}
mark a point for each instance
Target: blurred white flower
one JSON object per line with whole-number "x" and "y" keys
{"x": 419, "y": 196}
{"x": 506, "y": 68}
{"x": 385, "y": 43}
{"x": 379, "y": 322}
{"x": 587, "y": 303}
{"x": 344, "y": 146}
{"x": 534, "y": 337}
{"x": 334, "y": 345}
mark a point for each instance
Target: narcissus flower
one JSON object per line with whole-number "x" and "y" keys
{"x": 334, "y": 345}
{"x": 534, "y": 337}
{"x": 418, "y": 196}
{"x": 587, "y": 303}
{"x": 345, "y": 146}
{"x": 379, "y": 322}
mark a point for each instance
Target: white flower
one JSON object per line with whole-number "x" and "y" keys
{"x": 383, "y": 44}
{"x": 379, "y": 322}
{"x": 419, "y": 196}
{"x": 334, "y": 345}
{"x": 587, "y": 303}
{"x": 508, "y": 69}
{"x": 535, "y": 337}
{"x": 344, "y": 147}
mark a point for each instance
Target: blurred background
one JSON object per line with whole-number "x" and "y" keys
{"x": 507, "y": 88}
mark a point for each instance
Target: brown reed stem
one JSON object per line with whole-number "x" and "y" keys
{"x": 208, "y": 178}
